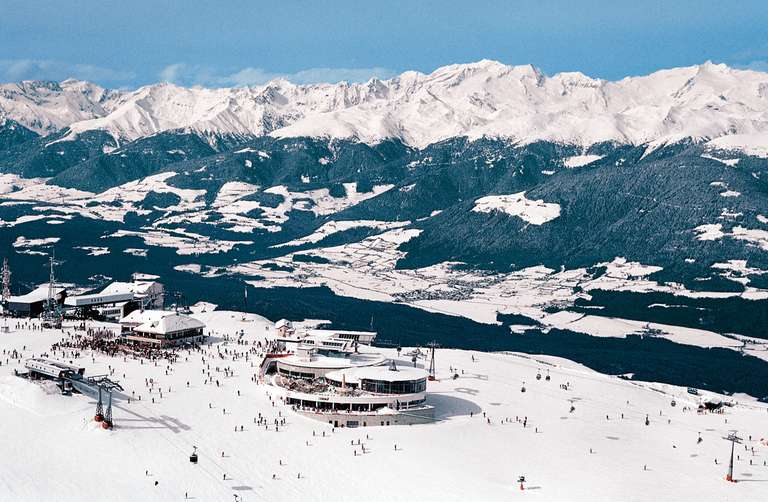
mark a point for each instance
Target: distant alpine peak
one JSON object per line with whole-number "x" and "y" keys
{"x": 481, "y": 99}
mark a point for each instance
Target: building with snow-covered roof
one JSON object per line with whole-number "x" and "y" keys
{"x": 287, "y": 331}
{"x": 119, "y": 299}
{"x": 96, "y": 299}
{"x": 389, "y": 379}
{"x": 284, "y": 328}
{"x": 32, "y": 304}
{"x": 161, "y": 328}
{"x": 149, "y": 293}
{"x": 376, "y": 395}
{"x": 111, "y": 306}
{"x": 349, "y": 385}
{"x": 361, "y": 337}
{"x": 309, "y": 362}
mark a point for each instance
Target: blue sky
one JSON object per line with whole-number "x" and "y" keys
{"x": 222, "y": 43}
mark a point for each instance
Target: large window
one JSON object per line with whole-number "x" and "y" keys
{"x": 336, "y": 383}
{"x": 402, "y": 387}
{"x": 295, "y": 374}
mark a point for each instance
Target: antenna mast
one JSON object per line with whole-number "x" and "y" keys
{"x": 6, "y": 281}
{"x": 52, "y": 314}
{"x": 51, "y": 279}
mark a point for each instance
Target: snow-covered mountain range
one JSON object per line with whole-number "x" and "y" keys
{"x": 46, "y": 107}
{"x": 492, "y": 199}
{"x": 487, "y": 98}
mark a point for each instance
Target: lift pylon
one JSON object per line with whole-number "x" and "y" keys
{"x": 432, "y": 346}
{"x": 107, "y": 423}
{"x": 99, "y": 416}
{"x": 733, "y": 438}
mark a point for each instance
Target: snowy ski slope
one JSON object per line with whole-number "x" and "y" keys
{"x": 52, "y": 449}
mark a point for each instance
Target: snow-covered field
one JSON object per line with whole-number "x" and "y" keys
{"x": 536, "y": 212}
{"x": 333, "y": 227}
{"x": 233, "y": 208}
{"x": 753, "y": 237}
{"x": 366, "y": 270}
{"x": 185, "y": 243}
{"x": 54, "y": 451}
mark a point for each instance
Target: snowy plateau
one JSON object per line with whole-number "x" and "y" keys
{"x": 612, "y": 235}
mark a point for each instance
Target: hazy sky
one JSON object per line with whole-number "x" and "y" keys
{"x": 221, "y": 43}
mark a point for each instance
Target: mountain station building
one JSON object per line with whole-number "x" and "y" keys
{"x": 160, "y": 329}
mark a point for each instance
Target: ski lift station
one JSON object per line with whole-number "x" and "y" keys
{"x": 338, "y": 381}
{"x": 33, "y": 303}
{"x": 70, "y": 378}
{"x": 145, "y": 289}
{"x": 119, "y": 299}
{"x": 113, "y": 303}
{"x": 109, "y": 306}
{"x": 52, "y": 369}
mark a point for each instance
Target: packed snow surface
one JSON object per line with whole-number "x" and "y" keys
{"x": 709, "y": 102}
{"x": 488, "y": 433}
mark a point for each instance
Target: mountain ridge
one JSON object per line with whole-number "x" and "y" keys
{"x": 483, "y": 99}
